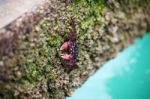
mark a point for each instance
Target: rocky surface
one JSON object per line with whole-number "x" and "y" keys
{"x": 31, "y": 66}
{"x": 12, "y": 9}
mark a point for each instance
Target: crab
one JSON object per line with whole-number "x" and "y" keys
{"x": 70, "y": 48}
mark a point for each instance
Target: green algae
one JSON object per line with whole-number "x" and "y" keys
{"x": 45, "y": 75}
{"x": 43, "y": 62}
{"x": 39, "y": 71}
{"x": 98, "y": 40}
{"x": 47, "y": 48}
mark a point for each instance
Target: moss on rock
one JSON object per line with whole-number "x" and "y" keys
{"x": 37, "y": 69}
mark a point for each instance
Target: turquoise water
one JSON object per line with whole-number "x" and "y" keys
{"x": 125, "y": 77}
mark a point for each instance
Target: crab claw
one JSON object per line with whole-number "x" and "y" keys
{"x": 65, "y": 45}
{"x": 67, "y": 56}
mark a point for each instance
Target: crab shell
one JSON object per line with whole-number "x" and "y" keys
{"x": 71, "y": 53}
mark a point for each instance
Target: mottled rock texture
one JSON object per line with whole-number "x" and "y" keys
{"x": 30, "y": 62}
